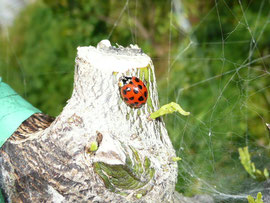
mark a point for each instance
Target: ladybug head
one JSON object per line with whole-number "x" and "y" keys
{"x": 124, "y": 80}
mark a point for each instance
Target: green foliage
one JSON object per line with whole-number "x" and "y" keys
{"x": 258, "y": 199}
{"x": 250, "y": 166}
{"x": 219, "y": 77}
{"x": 42, "y": 51}
{"x": 216, "y": 71}
{"x": 37, "y": 57}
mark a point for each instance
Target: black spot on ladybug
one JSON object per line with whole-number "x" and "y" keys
{"x": 139, "y": 86}
{"x": 135, "y": 90}
{"x": 141, "y": 98}
{"x": 131, "y": 98}
{"x": 145, "y": 94}
{"x": 137, "y": 80}
{"x": 143, "y": 84}
{"x": 126, "y": 99}
{"x": 136, "y": 103}
{"x": 128, "y": 89}
{"x": 131, "y": 82}
{"x": 124, "y": 92}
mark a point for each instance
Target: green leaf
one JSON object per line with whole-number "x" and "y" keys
{"x": 167, "y": 109}
{"x": 139, "y": 196}
{"x": 258, "y": 200}
{"x": 266, "y": 173}
{"x": 250, "y": 199}
{"x": 250, "y": 166}
{"x": 176, "y": 159}
{"x": 135, "y": 174}
{"x": 93, "y": 146}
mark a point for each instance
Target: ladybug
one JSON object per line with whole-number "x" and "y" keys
{"x": 133, "y": 91}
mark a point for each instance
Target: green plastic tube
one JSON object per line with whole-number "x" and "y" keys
{"x": 1, "y": 198}
{"x": 13, "y": 111}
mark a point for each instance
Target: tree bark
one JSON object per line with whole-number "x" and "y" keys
{"x": 98, "y": 149}
{"x": 133, "y": 160}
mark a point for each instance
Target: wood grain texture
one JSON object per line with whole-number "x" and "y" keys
{"x": 33, "y": 124}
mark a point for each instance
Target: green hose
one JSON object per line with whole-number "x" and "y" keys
{"x": 13, "y": 111}
{"x": 1, "y": 198}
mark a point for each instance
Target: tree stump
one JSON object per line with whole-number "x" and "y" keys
{"x": 98, "y": 149}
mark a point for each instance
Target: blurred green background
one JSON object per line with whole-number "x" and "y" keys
{"x": 212, "y": 57}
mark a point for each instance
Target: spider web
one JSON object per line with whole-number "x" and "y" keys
{"x": 229, "y": 104}
{"x": 226, "y": 115}
{"x": 223, "y": 81}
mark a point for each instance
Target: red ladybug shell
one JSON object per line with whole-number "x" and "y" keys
{"x": 134, "y": 92}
